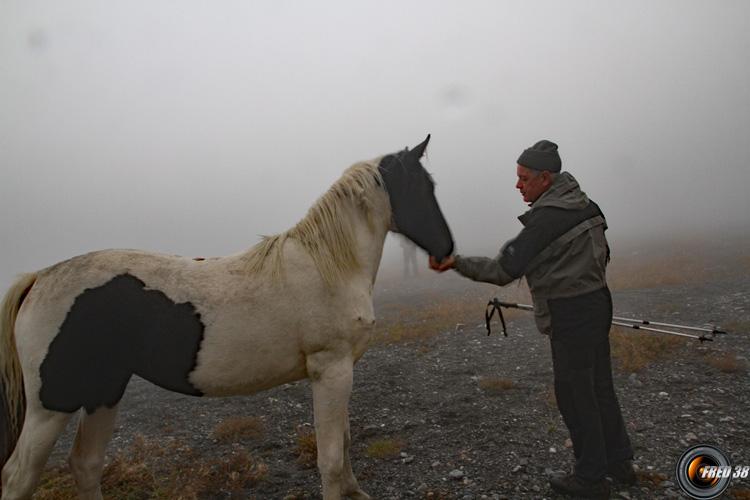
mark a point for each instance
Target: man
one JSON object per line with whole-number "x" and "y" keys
{"x": 563, "y": 253}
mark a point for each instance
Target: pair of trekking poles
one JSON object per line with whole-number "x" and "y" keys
{"x": 705, "y": 335}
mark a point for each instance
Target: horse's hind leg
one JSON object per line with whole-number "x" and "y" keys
{"x": 87, "y": 455}
{"x": 41, "y": 428}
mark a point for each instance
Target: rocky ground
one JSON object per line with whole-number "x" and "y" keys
{"x": 457, "y": 438}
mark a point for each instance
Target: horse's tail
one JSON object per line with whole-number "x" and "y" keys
{"x": 12, "y": 399}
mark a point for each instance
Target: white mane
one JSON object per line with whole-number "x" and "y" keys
{"x": 326, "y": 232}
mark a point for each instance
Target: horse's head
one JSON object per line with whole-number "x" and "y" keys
{"x": 415, "y": 211}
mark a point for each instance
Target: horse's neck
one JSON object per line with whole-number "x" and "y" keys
{"x": 369, "y": 241}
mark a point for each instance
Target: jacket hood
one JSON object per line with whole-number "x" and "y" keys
{"x": 563, "y": 193}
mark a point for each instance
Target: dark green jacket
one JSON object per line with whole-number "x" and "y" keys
{"x": 561, "y": 250}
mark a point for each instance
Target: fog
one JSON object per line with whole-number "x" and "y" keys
{"x": 194, "y": 127}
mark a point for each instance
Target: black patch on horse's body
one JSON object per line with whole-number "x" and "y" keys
{"x": 112, "y": 332}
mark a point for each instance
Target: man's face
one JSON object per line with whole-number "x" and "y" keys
{"x": 531, "y": 183}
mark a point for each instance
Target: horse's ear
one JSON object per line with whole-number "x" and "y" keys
{"x": 418, "y": 151}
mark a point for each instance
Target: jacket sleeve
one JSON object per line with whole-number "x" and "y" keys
{"x": 514, "y": 258}
{"x": 483, "y": 269}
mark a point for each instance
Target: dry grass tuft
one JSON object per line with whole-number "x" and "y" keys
{"x": 738, "y": 493}
{"x": 236, "y": 428}
{"x": 634, "y": 350}
{"x": 650, "y": 479}
{"x": 726, "y": 363}
{"x": 155, "y": 470}
{"x": 739, "y": 326}
{"x": 495, "y": 385}
{"x": 385, "y": 448}
{"x": 307, "y": 447}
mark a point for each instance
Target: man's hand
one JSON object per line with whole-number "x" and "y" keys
{"x": 447, "y": 263}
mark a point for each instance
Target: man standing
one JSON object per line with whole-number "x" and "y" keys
{"x": 563, "y": 253}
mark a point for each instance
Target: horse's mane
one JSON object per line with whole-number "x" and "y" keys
{"x": 327, "y": 231}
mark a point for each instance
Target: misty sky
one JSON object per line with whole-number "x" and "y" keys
{"x": 193, "y": 127}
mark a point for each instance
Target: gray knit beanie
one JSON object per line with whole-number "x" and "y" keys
{"x": 541, "y": 156}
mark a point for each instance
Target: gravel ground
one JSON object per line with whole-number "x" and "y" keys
{"x": 460, "y": 441}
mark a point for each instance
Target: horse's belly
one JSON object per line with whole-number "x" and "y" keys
{"x": 247, "y": 360}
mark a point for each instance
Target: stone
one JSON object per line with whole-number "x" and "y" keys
{"x": 456, "y": 474}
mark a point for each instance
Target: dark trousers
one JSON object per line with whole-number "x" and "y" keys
{"x": 583, "y": 382}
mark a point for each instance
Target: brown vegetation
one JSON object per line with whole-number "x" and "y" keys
{"x": 738, "y": 326}
{"x": 385, "y": 448}
{"x": 726, "y": 363}
{"x": 307, "y": 447}
{"x": 650, "y": 479}
{"x": 153, "y": 469}
{"x": 237, "y": 428}
{"x": 655, "y": 271}
{"x": 632, "y": 351}
{"x": 495, "y": 385}
{"x": 739, "y": 493}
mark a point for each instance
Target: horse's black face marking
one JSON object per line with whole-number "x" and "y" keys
{"x": 112, "y": 332}
{"x": 416, "y": 212}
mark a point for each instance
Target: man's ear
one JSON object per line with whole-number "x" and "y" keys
{"x": 547, "y": 177}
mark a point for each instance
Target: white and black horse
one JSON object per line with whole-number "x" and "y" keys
{"x": 73, "y": 334}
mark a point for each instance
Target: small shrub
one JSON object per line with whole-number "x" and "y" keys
{"x": 237, "y": 428}
{"x": 726, "y": 363}
{"x": 385, "y": 448}
{"x": 650, "y": 479}
{"x": 633, "y": 350}
{"x": 495, "y": 385}
{"x": 739, "y": 493}
{"x": 736, "y": 326}
{"x": 152, "y": 469}
{"x": 307, "y": 447}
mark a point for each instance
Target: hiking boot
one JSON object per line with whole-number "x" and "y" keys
{"x": 573, "y": 485}
{"x": 622, "y": 472}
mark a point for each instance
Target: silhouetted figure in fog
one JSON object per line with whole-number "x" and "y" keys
{"x": 409, "y": 250}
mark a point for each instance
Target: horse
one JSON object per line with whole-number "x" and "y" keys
{"x": 73, "y": 334}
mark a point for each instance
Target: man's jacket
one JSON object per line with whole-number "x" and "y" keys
{"x": 561, "y": 250}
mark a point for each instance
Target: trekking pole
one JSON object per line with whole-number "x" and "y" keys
{"x": 702, "y": 338}
{"x": 713, "y": 330}
{"x": 635, "y": 324}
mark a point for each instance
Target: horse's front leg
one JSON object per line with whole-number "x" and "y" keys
{"x": 351, "y": 486}
{"x": 331, "y": 376}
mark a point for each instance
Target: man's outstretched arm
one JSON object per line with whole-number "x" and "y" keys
{"x": 475, "y": 268}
